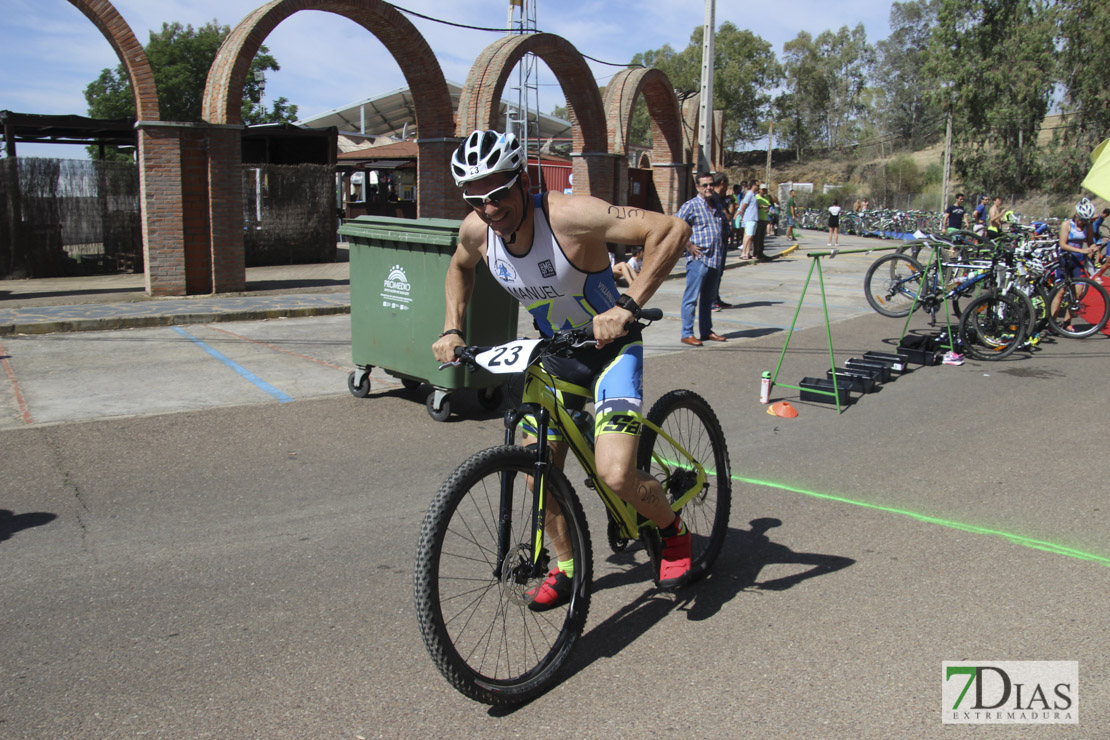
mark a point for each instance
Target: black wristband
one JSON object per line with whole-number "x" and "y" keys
{"x": 626, "y": 302}
{"x": 452, "y": 331}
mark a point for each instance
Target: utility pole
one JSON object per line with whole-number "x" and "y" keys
{"x": 705, "y": 102}
{"x": 770, "y": 142}
{"x": 947, "y": 168}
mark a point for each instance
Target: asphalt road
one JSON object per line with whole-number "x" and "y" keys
{"x": 188, "y": 555}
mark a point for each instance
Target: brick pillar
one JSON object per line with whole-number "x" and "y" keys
{"x": 437, "y": 196}
{"x": 192, "y": 194}
{"x": 620, "y": 179}
{"x": 194, "y": 211}
{"x": 225, "y": 208}
{"x": 161, "y": 198}
{"x": 594, "y": 174}
{"x": 670, "y": 179}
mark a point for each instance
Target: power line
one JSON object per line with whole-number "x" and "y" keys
{"x": 495, "y": 30}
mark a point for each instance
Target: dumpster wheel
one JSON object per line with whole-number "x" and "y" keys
{"x": 490, "y": 398}
{"x": 361, "y": 387}
{"x": 444, "y": 409}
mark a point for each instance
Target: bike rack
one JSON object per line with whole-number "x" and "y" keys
{"x": 835, "y": 393}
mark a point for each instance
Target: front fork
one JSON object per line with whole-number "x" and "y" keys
{"x": 535, "y": 566}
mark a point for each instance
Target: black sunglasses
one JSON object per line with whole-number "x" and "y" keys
{"x": 494, "y": 196}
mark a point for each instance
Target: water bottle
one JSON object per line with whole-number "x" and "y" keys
{"x": 765, "y": 388}
{"x": 585, "y": 423}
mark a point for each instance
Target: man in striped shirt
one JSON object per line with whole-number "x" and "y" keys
{"x": 704, "y": 262}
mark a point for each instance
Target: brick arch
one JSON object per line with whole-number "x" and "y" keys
{"x": 130, "y": 52}
{"x": 223, "y": 96}
{"x": 669, "y": 163}
{"x": 481, "y": 96}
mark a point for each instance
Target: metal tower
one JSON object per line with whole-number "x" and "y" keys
{"x": 524, "y": 119}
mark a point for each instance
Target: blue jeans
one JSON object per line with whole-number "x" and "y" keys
{"x": 702, "y": 283}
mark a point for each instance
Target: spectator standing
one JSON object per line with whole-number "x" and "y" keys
{"x": 764, "y": 207}
{"x": 791, "y": 215}
{"x": 834, "y": 224}
{"x": 749, "y": 212}
{"x": 980, "y": 218}
{"x": 994, "y": 219}
{"x": 955, "y": 215}
{"x": 704, "y": 260}
{"x": 721, "y": 203}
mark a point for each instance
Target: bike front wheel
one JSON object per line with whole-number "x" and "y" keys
{"x": 893, "y": 283}
{"x": 476, "y": 622}
{"x": 690, "y": 421}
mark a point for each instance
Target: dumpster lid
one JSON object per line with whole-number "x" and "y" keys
{"x": 437, "y": 231}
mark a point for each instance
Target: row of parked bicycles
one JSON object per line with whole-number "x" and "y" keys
{"x": 882, "y": 224}
{"x": 1004, "y": 294}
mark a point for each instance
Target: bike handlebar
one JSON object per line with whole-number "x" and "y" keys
{"x": 561, "y": 341}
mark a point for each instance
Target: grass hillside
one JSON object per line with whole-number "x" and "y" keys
{"x": 857, "y": 174}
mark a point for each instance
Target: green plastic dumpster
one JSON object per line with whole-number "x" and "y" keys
{"x": 398, "y": 267}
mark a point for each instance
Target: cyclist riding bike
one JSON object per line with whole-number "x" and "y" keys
{"x": 549, "y": 251}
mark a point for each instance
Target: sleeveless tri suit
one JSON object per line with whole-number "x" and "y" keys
{"x": 561, "y": 296}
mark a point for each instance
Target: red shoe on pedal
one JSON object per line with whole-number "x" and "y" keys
{"x": 554, "y": 591}
{"x": 674, "y": 565}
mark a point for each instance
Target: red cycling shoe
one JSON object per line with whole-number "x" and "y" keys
{"x": 674, "y": 565}
{"x": 554, "y": 591}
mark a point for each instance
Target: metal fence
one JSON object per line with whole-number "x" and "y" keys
{"x": 67, "y": 217}
{"x": 61, "y": 217}
{"x": 289, "y": 214}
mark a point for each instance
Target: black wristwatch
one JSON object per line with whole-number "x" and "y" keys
{"x": 625, "y": 301}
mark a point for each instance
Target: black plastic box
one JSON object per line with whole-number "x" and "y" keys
{"x": 855, "y": 381}
{"x": 809, "y": 385}
{"x": 897, "y": 362}
{"x": 879, "y": 370}
{"x": 920, "y": 349}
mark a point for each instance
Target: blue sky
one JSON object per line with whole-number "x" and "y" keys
{"x": 49, "y": 51}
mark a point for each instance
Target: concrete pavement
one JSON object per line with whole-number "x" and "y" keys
{"x": 106, "y": 302}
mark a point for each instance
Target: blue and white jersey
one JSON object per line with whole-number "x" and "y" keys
{"x": 555, "y": 292}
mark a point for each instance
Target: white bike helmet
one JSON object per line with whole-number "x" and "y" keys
{"x": 1085, "y": 209}
{"x": 483, "y": 153}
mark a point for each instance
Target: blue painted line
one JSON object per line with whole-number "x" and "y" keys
{"x": 245, "y": 373}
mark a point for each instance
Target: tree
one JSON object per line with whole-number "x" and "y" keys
{"x": 993, "y": 65}
{"x": 899, "y": 74}
{"x": 180, "y": 58}
{"x": 824, "y": 86}
{"x": 1084, "y": 58}
{"x": 744, "y": 69}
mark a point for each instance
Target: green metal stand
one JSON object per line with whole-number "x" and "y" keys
{"x": 816, "y": 265}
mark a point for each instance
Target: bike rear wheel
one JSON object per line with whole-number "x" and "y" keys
{"x": 893, "y": 283}
{"x": 1081, "y": 308}
{"x": 690, "y": 421}
{"x": 993, "y": 326}
{"x": 477, "y": 625}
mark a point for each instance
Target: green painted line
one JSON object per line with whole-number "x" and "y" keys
{"x": 1016, "y": 539}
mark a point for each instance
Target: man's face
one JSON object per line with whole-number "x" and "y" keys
{"x": 960, "y": 201}
{"x": 503, "y": 209}
{"x": 705, "y": 187}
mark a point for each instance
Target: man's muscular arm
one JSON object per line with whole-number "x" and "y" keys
{"x": 459, "y": 285}
{"x": 584, "y": 226}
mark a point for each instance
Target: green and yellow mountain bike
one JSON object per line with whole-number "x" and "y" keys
{"x": 483, "y": 543}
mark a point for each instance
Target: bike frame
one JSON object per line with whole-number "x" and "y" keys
{"x": 541, "y": 402}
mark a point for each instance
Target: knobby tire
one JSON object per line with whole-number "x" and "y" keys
{"x": 478, "y": 628}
